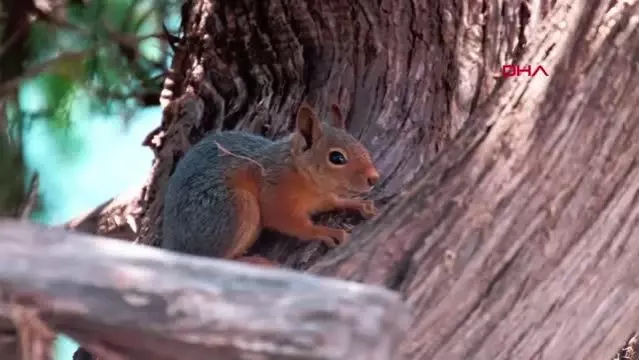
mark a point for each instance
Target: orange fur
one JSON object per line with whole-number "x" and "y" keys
{"x": 288, "y": 207}
{"x": 244, "y": 183}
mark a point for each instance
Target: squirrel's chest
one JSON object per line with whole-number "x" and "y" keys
{"x": 292, "y": 193}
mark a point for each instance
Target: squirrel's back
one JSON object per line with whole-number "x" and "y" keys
{"x": 198, "y": 211}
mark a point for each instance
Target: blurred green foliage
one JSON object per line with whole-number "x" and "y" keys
{"x": 109, "y": 55}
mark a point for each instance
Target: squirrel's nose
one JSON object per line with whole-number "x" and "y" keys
{"x": 372, "y": 177}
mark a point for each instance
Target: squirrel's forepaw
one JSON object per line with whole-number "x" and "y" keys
{"x": 367, "y": 209}
{"x": 335, "y": 238}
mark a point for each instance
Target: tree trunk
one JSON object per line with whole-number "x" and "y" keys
{"x": 508, "y": 204}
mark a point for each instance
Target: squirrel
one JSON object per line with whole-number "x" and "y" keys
{"x": 231, "y": 184}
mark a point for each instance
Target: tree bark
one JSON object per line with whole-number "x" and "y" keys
{"x": 144, "y": 303}
{"x": 508, "y": 204}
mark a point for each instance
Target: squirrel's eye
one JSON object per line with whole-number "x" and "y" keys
{"x": 336, "y": 158}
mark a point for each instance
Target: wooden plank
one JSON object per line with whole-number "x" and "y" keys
{"x": 148, "y": 303}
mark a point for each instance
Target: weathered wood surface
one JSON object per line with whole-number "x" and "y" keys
{"x": 151, "y": 304}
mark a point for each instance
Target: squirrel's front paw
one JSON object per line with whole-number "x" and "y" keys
{"x": 367, "y": 209}
{"x": 334, "y": 238}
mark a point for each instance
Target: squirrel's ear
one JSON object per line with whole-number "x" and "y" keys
{"x": 308, "y": 125}
{"x": 337, "y": 119}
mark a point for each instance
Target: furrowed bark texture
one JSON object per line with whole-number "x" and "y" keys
{"x": 525, "y": 243}
{"x": 518, "y": 237}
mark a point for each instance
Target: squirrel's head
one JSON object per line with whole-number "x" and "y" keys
{"x": 329, "y": 155}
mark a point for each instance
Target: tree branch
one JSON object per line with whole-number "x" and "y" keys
{"x": 31, "y": 197}
{"x": 13, "y": 83}
{"x": 148, "y": 303}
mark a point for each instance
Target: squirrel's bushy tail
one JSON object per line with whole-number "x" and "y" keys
{"x": 200, "y": 212}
